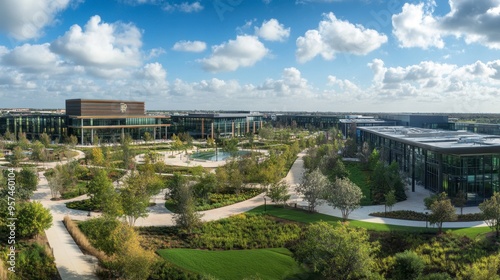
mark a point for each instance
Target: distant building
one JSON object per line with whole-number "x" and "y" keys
{"x": 319, "y": 121}
{"x": 419, "y": 120}
{"x": 34, "y": 124}
{"x": 349, "y": 124}
{"x": 215, "y": 125}
{"x": 442, "y": 161}
{"x": 483, "y": 128}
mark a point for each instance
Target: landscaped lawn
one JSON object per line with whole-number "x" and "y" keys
{"x": 361, "y": 179}
{"x": 305, "y": 217}
{"x": 276, "y": 263}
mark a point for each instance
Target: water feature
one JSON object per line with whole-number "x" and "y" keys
{"x": 211, "y": 156}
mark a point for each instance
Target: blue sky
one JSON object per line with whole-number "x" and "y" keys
{"x": 303, "y": 55}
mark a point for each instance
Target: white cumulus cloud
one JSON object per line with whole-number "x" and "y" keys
{"x": 26, "y": 19}
{"x": 245, "y": 51}
{"x": 190, "y": 46}
{"x": 185, "y": 7}
{"x": 474, "y": 21}
{"x": 337, "y": 36}
{"x": 416, "y": 27}
{"x": 106, "y": 45}
{"x": 272, "y": 30}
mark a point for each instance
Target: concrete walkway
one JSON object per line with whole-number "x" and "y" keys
{"x": 71, "y": 263}
{"x": 414, "y": 202}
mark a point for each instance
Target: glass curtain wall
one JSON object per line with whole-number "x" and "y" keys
{"x": 476, "y": 175}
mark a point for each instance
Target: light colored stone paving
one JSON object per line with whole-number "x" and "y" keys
{"x": 71, "y": 263}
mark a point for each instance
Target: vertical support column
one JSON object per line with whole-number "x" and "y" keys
{"x": 232, "y": 129}
{"x": 425, "y": 168}
{"x": 254, "y": 127}
{"x": 440, "y": 172}
{"x": 92, "y": 136}
{"x": 123, "y": 134}
{"x": 154, "y": 133}
{"x": 202, "y": 128}
{"x": 248, "y": 127}
{"x": 166, "y": 132}
{"x": 212, "y": 128}
{"x": 413, "y": 169}
{"x": 81, "y": 123}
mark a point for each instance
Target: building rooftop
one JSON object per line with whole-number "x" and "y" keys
{"x": 435, "y": 139}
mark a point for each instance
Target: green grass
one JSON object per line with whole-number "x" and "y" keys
{"x": 361, "y": 179}
{"x": 274, "y": 263}
{"x": 306, "y": 217}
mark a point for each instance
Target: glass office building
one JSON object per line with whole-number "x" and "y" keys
{"x": 441, "y": 161}
{"x": 111, "y": 120}
{"x": 34, "y": 124}
{"x": 215, "y": 125}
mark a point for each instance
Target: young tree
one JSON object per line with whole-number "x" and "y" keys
{"x": 147, "y": 137}
{"x": 38, "y": 151}
{"x": 17, "y": 156}
{"x": 103, "y": 195}
{"x": 72, "y": 141}
{"x": 340, "y": 252}
{"x": 364, "y": 155}
{"x": 210, "y": 142}
{"x": 344, "y": 195}
{"x": 491, "y": 212}
{"x": 135, "y": 197}
{"x": 313, "y": 188}
{"x": 176, "y": 144}
{"x": 45, "y": 139}
{"x": 390, "y": 200}
{"x": 460, "y": 200}
{"x": 187, "y": 217}
{"x": 128, "y": 161}
{"x": 56, "y": 183}
{"x": 27, "y": 180}
{"x": 23, "y": 141}
{"x": 97, "y": 156}
{"x": 231, "y": 147}
{"x": 33, "y": 218}
{"x": 278, "y": 192}
{"x": 441, "y": 211}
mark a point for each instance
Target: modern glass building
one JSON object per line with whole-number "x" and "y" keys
{"x": 111, "y": 120}
{"x": 34, "y": 125}
{"x": 441, "y": 161}
{"x": 320, "y": 121}
{"x": 483, "y": 128}
{"x": 215, "y": 125}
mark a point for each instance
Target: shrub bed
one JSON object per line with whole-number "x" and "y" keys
{"x": 217, "y": 200}
{"x": 244, "y": 231}
{"x": 84, "y": 205}
{"x": 418, "y": 216}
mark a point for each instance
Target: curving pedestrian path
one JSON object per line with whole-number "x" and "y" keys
{"x": 414, "y": 202}
{"x": 71, "y": 263}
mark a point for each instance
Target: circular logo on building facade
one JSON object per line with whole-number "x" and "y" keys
{"x": 123, "y": 107}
